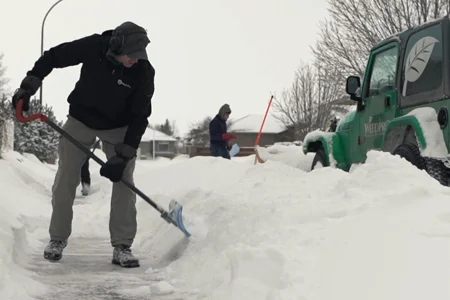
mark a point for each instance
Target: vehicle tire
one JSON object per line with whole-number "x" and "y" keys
{"x": 411, "y": 153}
{"x": 320, "y": 160}
{"x": 435, "y": 168}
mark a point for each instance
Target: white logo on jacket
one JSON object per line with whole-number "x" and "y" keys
{"x": 120, "y": 82}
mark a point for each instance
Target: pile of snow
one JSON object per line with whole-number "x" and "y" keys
{"x": 296, "y": 143}
{"x": 291, "y": 155}
{"x": 181, "y": 157}
{"x": 267, "y": 231}
{"x": 274, "y": 231}
{"x": 23, "y": 220}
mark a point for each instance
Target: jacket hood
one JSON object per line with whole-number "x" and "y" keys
{"x": 223, "y": 110}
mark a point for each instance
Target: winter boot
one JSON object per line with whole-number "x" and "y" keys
{"x": 122, "y": 256}
{"x": 85, "y": 188}
{"x": 54, "y": 250}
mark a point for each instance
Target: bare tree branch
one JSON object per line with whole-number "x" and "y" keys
{"x": 199, "y": 132}
{"x": 308, "y": 104}
{"x": 355, "y": 26}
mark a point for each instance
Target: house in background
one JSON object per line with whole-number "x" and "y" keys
{"x": 247, "y": 129}
{"x": 165, "y": 146}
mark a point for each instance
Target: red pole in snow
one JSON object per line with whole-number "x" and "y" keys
{"x": 262, "y": 125}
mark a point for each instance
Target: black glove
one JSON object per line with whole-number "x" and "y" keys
{"x": 114, "y": 167}
{"x": 28, "y": 88}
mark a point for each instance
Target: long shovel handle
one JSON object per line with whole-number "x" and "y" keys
{"x": 43, "y": 118}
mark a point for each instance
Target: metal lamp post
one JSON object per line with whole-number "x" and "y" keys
{"x": 42, "y": 43}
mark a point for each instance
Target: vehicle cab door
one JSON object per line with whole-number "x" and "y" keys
{"x": 379, "y": 98}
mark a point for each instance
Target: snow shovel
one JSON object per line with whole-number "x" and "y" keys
{"x": 173, "y": 215}
{"x": 234, "y": 150}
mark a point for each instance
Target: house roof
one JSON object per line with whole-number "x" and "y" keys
{"x": 151, "y": 134}
{"x": 252, "y": 123}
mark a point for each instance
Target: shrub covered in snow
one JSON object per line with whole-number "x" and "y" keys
{"x": 36, "y": 137}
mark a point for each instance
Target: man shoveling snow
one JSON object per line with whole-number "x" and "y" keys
{"x": 111, "y": 101}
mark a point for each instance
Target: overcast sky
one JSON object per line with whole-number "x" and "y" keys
{"x": 205, "y": 52}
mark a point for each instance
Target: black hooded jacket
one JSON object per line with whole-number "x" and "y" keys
{"x": 107, "y": 94}
{"x": 218, "y": 126}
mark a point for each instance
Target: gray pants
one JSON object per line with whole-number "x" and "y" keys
{"x": 122, "y": 222}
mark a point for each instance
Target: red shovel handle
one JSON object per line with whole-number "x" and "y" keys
{"x": 21, "y": 118}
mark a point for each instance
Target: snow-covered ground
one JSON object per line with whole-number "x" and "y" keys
{"x": 265, "y": 231}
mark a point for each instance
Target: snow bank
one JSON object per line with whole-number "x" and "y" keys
{"x": 265, "y": 231}
{"x": 262, "y": 232}
{"x": 21, "y": 223}
{"x": 397, "y": 247}
{"x": 227, "y": 228}
{"x": 291, "y": 155}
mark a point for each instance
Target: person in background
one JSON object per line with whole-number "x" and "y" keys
{"x": 86, "y": 175}
{"x": 220, "y": 140}
{"x": 85, "y": 178}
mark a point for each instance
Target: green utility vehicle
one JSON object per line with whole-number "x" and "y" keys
{"x": 401, "y": 105}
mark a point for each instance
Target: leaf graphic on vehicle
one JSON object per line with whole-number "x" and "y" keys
{"x": 418, "y": 59}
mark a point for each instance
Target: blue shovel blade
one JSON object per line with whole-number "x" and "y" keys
{"x": 234, "y": 150}
{"x": 175, "y": 214}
